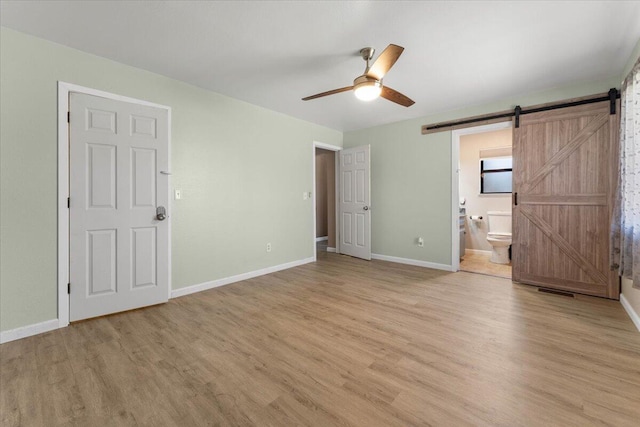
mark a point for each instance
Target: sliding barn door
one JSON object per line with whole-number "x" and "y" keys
{"x": 564, "y": 164}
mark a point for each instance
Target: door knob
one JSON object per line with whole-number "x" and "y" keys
{"x": 161, "y": 213}
{"x": 366, "y": 208}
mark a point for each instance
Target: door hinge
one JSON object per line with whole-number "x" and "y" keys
{"x": 68, "y": 202}
{"x": 69, "y": 288}
{"x": 68, "y": 116}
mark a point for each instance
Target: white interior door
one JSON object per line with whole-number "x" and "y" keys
{"x": 355, "y": 215}
{"x": 119, "y": 248}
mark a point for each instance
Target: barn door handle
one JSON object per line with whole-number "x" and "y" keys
{"x": 515, "y": 199}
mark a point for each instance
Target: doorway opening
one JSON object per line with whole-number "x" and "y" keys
{"x": 482, "y": 213}
{"x": 325, "y": 172}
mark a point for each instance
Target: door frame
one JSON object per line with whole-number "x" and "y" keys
{"x": 64, "y": 89}
{"x": 455, "y": 181}
{"x": 335, "y": 149}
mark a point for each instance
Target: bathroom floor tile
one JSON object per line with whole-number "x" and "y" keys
{"x": 479, "y": 263}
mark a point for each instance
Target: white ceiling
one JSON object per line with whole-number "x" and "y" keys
{"x": 274, "y": 53}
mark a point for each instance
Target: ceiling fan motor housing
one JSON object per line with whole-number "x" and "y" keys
{"x": 366, "y": 81}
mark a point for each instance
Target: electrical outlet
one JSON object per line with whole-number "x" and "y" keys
{"x": 268, "y": 247}
{"x": 420, "y": 242}
{"x": 178, "y": 194}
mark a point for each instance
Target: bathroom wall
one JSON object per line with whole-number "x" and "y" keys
{"x": 476, "y": 203}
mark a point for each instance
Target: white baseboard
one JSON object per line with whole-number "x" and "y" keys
{"x": 416, "y": 262}
{"x": 50, "y": 325}
{"x": 635, "y": 318}
{"x": 322, "y": 239}
{"x": 237, "y": 278}
{"x": 29, "y": 330}
{"x": 478, "y": 251}
{"x": 330, "y": 249}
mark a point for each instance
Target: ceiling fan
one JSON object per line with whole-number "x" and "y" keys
{"x": 368, "y": 86}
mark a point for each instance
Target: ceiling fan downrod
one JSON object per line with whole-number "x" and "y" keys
{"x": 367, "y": 55}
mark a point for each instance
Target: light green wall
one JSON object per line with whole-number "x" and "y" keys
{"x": 411, "y": 175}
{"x": 242, "y": 170}
{"x": 410, "y": 190}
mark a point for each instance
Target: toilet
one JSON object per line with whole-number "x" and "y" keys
{"x": 499, "y": 235}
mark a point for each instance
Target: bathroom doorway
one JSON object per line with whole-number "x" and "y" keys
{"x": 483, "y": 212}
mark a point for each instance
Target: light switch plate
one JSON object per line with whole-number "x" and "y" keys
{"x": 305, "y": 195}
{"x": 178, "y": 194}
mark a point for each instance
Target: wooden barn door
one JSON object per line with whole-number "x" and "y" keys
{"x": 564, "y": 168}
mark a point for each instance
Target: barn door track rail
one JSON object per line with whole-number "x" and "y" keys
{"x": 612, "y": 96}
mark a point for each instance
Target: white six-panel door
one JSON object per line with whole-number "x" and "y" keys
{"x": 117, "y": 245}
{"x": 355, "y": 213}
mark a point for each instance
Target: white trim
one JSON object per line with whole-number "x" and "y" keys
{"x": 415, "y": 262}
{"x": 455, "y": 201}
{"x": 63, "y": 186}
{"x": 330, "y": 249}
{"x": 63, "y": 211}
{"x": 479, "y": 251}
{"x": 70, "y": 87}
{"x": 455, "y": 183}
{"x": 322, "y": 239}
{"x": 336, "y": 167}
{"x": 169, "y": 202}
{"x": 237, "y": 278}
{"x": 484, "y": 128}
{"x": 29, "y": 330}
{"x": 635, "y": 318}
{"x": 324, "y": 146}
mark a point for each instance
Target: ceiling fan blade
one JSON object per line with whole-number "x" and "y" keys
{"x": 385, "y": 61}
{"x": 330, "y": 92}
{"x": 397, "y": 97}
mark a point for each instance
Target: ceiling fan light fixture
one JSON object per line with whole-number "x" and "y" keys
{"x": 366, "y": 88}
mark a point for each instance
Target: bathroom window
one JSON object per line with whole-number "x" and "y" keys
{"x": 496, "y": 175}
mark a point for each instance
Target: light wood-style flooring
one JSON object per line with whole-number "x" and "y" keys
{"x": 479, "y": 263}
{"x": 339, "y": 342}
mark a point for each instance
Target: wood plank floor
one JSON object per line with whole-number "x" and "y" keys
{"x": 339, "y": 342}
